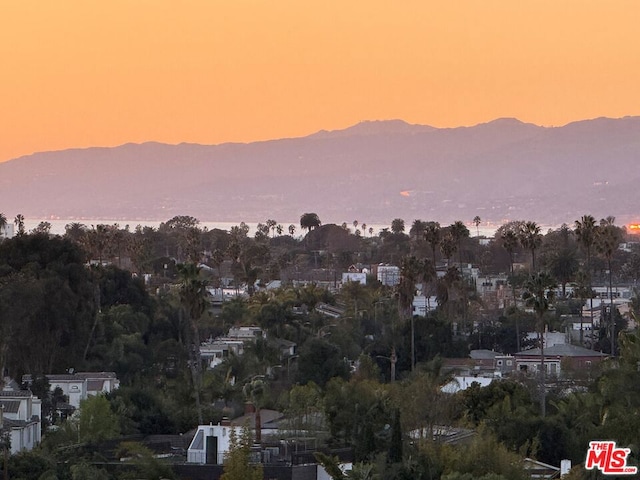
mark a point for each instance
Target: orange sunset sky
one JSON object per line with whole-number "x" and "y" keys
{"x": 102, "y": 73}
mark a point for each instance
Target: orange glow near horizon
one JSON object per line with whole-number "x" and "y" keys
{"x": 90, "y": 73}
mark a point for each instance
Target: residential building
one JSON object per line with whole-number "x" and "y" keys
{"x": 81, "y": 385}
{"x": 20, "y": 418}
{"x": 558, "y": 359}
{"x": 388, "y": 275}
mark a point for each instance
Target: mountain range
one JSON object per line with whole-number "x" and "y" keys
{"x": 373, "y": 172}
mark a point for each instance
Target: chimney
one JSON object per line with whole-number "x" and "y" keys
{"x": 225, "y": 422}
{"x": 249, "y": 408}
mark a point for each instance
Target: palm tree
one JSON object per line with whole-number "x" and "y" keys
{"x": 606, "y": 244}
{"x": 3, "y": 223}
{"x": 448, "y": 247}
{"x": 509, "y": 243}
{"x": 459, "y": 231}
{"x": 271, "y": 225}
{"x": 19, "y": 222}
{"x": 586, "y": 231}
{"x": 193, "y": 295}
{"x": 412, "y": 271}
{"x": 292, "y": 229}
{"x": 583, "y": 290}
{"x": 309, "y": 221}
{"x": 538, "y": 294}
{"x": 397, "y": 226}
{"x": 253, "y": 392}
{"x": 417, "y": 229}
{"x": 432, "y": 234}
{"x": 75, "y": 231}
{"x": 531, "y": 239}
{"x": 477, "y": 221}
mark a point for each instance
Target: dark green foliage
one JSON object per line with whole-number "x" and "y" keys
{"x": 321, "y": 361}
{"x": 395, "y": 447}
{"x": 48, "y": 294}
{"x": 28, "y": 465}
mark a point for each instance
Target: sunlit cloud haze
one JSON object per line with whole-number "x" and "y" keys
{"x": 88, "y": 73}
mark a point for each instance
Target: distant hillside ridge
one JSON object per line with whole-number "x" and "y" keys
{"x": 373, "y": 172}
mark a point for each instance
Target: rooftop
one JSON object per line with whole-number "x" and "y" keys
{"x": 563, "y": 351}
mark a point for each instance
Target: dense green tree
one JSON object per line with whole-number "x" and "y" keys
{"x": 320, "y": 361}
{"x": 96, "y": 421}
{"x": 47, "y": 293}
{"x": 146, "y": 464}
{"x": 237, "y": 464}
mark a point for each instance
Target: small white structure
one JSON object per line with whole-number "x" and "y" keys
{"x": 461, "y": 382}
{"x": 20, "y": 417}
{"x": 7, "y": 231}
{"x": 214, "y": 351}
{"x": 359, "y": 277}
{"x": 245, "y": 333}
{"x": 388, "y": 275}
{"x": 423, "y": 305}
{"x": 211, "y": 443}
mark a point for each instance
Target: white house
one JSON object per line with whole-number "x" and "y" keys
{"x": 20, "y": 417}
{"x": 79, "y": 386}
{"x": 211, "y": 443}
{"x": 214, "y": 351}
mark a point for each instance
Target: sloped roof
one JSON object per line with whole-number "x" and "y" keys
{"x": 10, "y": 406}
{"x": 483, "y": 354}
{"x": 563, "y": 351}
{"x": 15, "y": 394}
{"x": 266, "y": 417}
